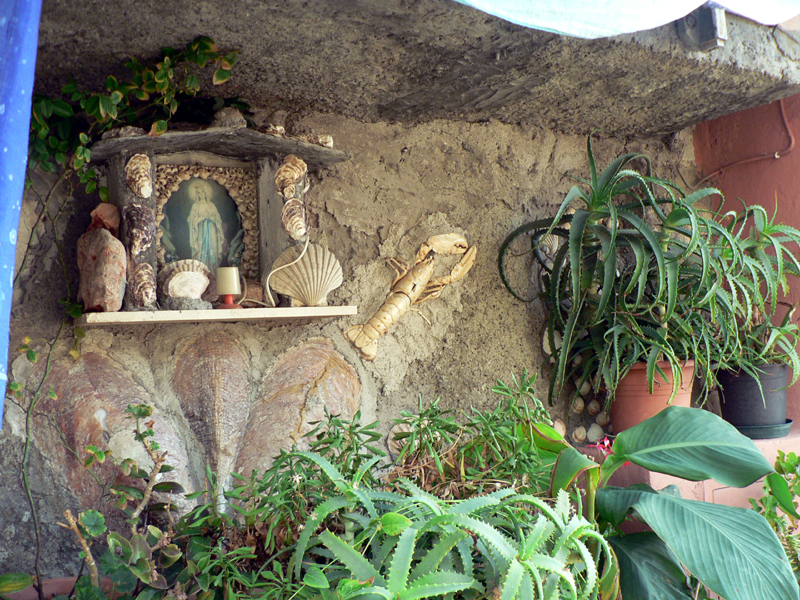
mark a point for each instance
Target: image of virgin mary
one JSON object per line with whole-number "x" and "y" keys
{"x": 206, "y": 234}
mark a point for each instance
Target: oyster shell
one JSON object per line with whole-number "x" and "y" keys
{"x": 142, "y": 286}
{"x": 141, "y": 227}
{"x": 309, "y": 280}
{"x": 137, "y": 174}
{"x": 293, "y": 219}
{"x": 290, "y": 178}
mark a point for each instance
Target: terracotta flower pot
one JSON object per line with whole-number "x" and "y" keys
{"x": 55, "y": 587}
{"x": 633, "y": 404}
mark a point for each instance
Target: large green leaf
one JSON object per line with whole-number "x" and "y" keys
{"x": 690, "y": 443}
{"x": 733, "y": 551}
{"x": 648, "y": 569}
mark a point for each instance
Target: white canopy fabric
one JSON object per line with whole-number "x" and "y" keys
{"x": 602, "y": 18}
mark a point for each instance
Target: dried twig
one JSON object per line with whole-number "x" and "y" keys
{"x": 72, "y": 525}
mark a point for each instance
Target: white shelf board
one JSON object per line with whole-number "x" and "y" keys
{"x": 144, "y": 317}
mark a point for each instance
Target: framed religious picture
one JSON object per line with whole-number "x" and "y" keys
{"x": 208, "y": 214}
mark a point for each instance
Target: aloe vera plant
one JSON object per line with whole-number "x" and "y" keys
{"x": 639, "y": 276}
{"x": 410, "y": 544}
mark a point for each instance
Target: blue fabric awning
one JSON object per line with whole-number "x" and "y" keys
{"x": 19, "y": 33}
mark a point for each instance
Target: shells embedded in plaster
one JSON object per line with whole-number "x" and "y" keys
{"x": 210, "y": 380}
{"x": 560, "y": 427}
{"x": 276, "y": 130}
{"x": 595, "y": 433}
{"x": 293, "y": 219}
{"x": 602, "y": 418}
{"x": 140, "y": 223}
{"x": 105, "y": 216}
{"x": 579, "y": 434}
{"x": 547, "y": 249}
{"x": 318, "y": 140}
{"x": 291, "y": 178}
{"x": 138, "y": 175}
{"x": 307, "y": 379}
{"x": 593, "y": 407}
{"x": 92, "y": 395}
{"x": 309, "y": 280}
{"x": 142, "y": 286}
{"x": 578, "y": 405}
{"x": 546, "y": 348}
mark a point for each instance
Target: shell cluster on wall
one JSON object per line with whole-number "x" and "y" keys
{"x": 291, "y": 182}
{"x": 213, "y": 416}
{"x": 308, "y": 280}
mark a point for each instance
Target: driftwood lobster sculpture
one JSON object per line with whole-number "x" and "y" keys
{"x": 412, "y": 285}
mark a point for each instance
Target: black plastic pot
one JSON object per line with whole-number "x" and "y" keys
{"x": 742, "y": 403}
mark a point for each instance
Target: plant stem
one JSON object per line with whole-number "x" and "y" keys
{"x": 26, "y": 455}
{"x": 158, "y": 462}
{"x": 72, "y": 525}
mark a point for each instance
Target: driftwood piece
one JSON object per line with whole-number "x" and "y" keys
{"x": 101, "y": 263}
{"x": 237, "y": 143}
{"x": 138, "y": 221}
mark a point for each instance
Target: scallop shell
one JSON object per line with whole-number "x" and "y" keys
{"x": 184, "y": 284}
{"x": 548, "y": 248}
{"x": 560, "y": 427}
{"x": 593, "y": 407}
{"x": 309, "y": 280}
{"x": 142, "y": 286}
{"x": 137, "y": 174}
{"x": 293, "y": 219}
{"x": 290, "y": 178}
{"x": 188, "y": 264}
{"x": 578, "y": 405}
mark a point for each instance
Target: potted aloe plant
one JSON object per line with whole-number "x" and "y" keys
{"x": 754, "y": 378}
{"x": 632, "y": 280}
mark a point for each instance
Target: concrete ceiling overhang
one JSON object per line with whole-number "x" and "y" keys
{"x": 418, "y": 60}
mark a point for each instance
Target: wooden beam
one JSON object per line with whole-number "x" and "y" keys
{"x": 100, "y": 319}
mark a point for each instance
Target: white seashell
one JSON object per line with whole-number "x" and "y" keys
{"x": 184, "y": 284}
{"x": 578, "y": 405}
{"x": 309, "y": 280}
{"x": 595, "y": 433}
{"x": 579, "y": 434}
{"x": 602, "y": 418}
{"x": 593, "y": 407}
{"x": 137, "y": 174}
{"x": 548, "y": 351}
{"x": 293, "y": 219}
{"x": 188, "y": 264}
{"x": 548, "y": 247}
{"x": 585, "y": 388}
{"x": 560, "y": 427}
{"x": 577, "y": 360}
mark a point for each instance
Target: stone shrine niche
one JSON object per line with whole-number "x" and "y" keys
{"x": 225, "y": 198}
{"x": 193, "y": 202}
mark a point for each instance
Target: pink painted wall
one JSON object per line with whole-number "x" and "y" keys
{"x": 748, "y": 136}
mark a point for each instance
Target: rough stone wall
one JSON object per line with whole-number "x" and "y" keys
{"x": 403, "y": 184}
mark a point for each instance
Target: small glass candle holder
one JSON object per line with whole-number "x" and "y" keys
{"x": 228, "y": 286}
